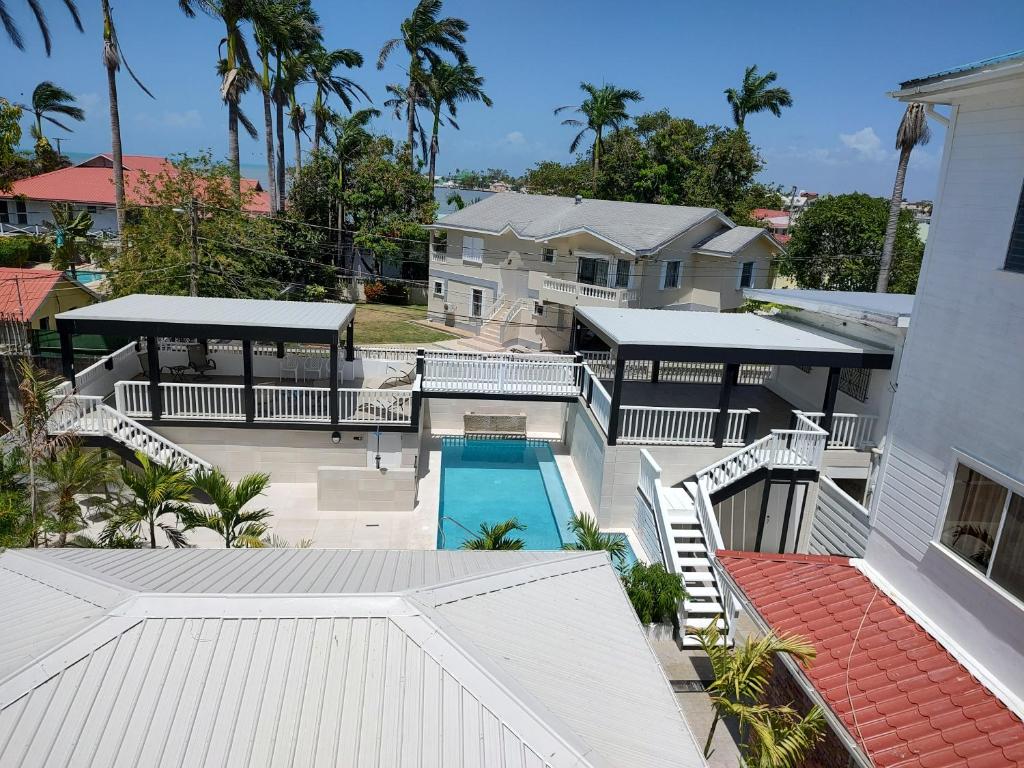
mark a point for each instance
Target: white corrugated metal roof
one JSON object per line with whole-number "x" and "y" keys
{"x": 889, "y": 308}
{"x": 202, "y": 310}
{"x": 379, "y": 675}
{"x": 639, "y": 228}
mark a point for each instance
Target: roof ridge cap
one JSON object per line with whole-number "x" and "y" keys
{"x": 787, "y": 558}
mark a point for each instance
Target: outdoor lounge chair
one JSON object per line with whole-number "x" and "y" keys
{"x": 198, "y": 360}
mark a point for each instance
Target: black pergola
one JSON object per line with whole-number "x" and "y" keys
{"x": 731, "y": 340}
{"x": 203, "y": 318}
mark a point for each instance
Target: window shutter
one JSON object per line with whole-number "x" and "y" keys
{"x": 664, "y": 274}
{"x": 1015, "y": 253}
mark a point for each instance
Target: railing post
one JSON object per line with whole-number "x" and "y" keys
{"x": 750, "y": 433}
{"x": 350, "y": 348}
{"x": 655, "y": 371}
{"x": 616, "y": 399}
{"x": 829, "y": 404}
{"x": 334, "y": 405}
{"x": 730, "y": 373}
{"x": 153, "y": 359}
{"x": 248, "y": 394}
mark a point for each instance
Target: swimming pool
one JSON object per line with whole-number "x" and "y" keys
{"x": 85, "y": 277}
{"x": 489, "y": 481}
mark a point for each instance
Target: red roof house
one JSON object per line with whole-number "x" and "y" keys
{"x": 905, "y": 700}
{"x": 34, "y": 296}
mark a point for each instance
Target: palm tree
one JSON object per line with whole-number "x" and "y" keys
{"x": 349, "y": 138}
{"x": 322, "y": 63}
{"x": 742, "y": 674}
{"x": 155, "y": 493}
{"x": 69, "y": 474}
{"x": 14, "y": 33}
{"x": 239, "y": 527}
{"x": 446, "y": 86}
{"x": 399, "y": 104}
{"x": 913, "y": 132}
{"x": 425, "y": 37}
{"x": 589, "y": 537}
{"x": 655, "y": 593}
{"x": 603, "y": 108}
{"x": 497, "y": 536}
{"x": 755, "y": 95}
{"x": 69, "y": 228}
{"x": 49, "y": 98}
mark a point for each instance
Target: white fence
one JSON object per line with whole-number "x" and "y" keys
{"x": 853, "y": 431}
{"x": 582, "y": 292}
{"x": 603, "y": 365}
{"x": 840, "y": 525}
{"x": 486, "y": 375}
{"x": 652, "y": 425}
{"x": 222, "y": 402}
{"x": 600, "y": 400}
{"x": 300, "y": 404}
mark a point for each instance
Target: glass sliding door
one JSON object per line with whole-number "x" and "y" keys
{"x": 592, "y": 271}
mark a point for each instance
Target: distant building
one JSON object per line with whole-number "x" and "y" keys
{"x": 35, "y": 296}
{"x": 777, "y": 221}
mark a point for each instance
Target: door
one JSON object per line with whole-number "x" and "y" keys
{"x": 592, "y": 271}
{"x": 478, "y": 303}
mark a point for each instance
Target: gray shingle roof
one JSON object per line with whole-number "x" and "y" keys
{"x": 639, "y": 228}
{"x": 734, "y": 240}
{"x": 474, "y": 659}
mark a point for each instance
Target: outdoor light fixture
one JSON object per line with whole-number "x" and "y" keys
{"x": 335, "y": 437}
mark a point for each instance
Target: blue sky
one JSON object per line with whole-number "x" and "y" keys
{"x": 838, "y": 58}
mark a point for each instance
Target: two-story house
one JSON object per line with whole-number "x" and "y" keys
{"x": 514, "y": 266}
{"x": 920, "y": 659}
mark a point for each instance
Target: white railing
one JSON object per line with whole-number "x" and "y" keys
{"x": 600, "y": 400}
{"x": 650, "y": 524}
{"x": 302, "y": 404}
{"x": 853, "y": 431}
{"x": 396, "y": 354}
{"x": 508, "y": 330}
{"x": 496, "y": 306}
{"x": 496, "y": 376}
{"x": 736, "y": 426}
{"x": 676, "y": 372}
{"x": 513, "y": 357}
{"x": 438, "y": 255}
{"x": 132, "y": 398}
{"x": 376, "y": 406}
{"x": 575, "y": 292}
{"x": 99, "y": 369}
{"x": 220, "y": 402}
{"x": 666, "y": 426}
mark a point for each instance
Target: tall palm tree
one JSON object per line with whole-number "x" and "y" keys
{"x": 69, "y": 474}
{"x": 48, "y": 99}
{"x": 425, "y": 37}
{"x": 239, "y": 527}
{"x": 446, "y": 86}
{"x": 155, "y": 493}
{"x": 604, "y": 108}
{"x": 757, "y": 95}
{"x": 589, "y": 537}
{"x": 742, "y": 674}
{"x": 913, "y": 132}
{"x": 349, "y": 138}
{"x": 14, "y": 33}
{"x": 322, "y": 64}
{"x": 497, "y": 536}
{"x": 399, "y": 104}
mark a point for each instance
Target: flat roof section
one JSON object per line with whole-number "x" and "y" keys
{"x": 659, "y": 334}
{"x": 203, "y": 317}
{"x": 884, "y": 308}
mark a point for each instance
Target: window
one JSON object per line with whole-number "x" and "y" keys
{"x": 1015, "y": 253}
{"x": 5, "y": 217}
{"x": 549, "y": 255}
{"x": 855, "y": 382}
{"x": 477, "y": 309}
{"x": 621, "y": 277}
{"x": 44, "y": 323}
{"x": 439, "y": 287}
{"x": 984, "y": 527}
{"x": 746, "y": 276}
{"x": 19, "y": 207}
{"x": 473, "y": 249}
{"x": 670, "y": 272}
{"x": 592, "y": 271}
{"x": 538, "y": 309}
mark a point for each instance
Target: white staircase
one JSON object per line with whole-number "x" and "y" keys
{"x": 503, "y": 309}
{"x": 83, "y": 415}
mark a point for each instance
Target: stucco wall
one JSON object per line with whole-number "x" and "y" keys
{"x": 64, "y": 296}
{"x": 445, "y": 415}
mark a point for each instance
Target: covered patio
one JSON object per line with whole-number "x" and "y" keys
{"x": 696, "y": 378}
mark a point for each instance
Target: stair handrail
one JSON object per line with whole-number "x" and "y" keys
{"x": 499, "y": 300}
{"x": 650, "y": 487}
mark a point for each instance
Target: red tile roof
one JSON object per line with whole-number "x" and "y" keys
{"x": 768, "y": 213}
{"x": 91, "y": 182}
{"x": 901, "y": 695}
{"x": 23, "y": 290}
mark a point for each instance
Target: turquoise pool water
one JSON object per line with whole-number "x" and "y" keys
{"x": 88, "y": 277}
{"x": 489, "y": 481}
{"x": 630, "y": 559}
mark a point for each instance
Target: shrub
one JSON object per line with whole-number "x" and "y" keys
{"x": 374, "y": 291}
{"x": 17, "y": 250}
{"x": 395, "y": 293}
{"x": 654, "y": 593}
{"x": 314, "y": 293}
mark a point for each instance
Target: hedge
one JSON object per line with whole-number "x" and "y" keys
{"x": 18, "y": 250}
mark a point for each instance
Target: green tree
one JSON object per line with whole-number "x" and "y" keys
{"x": 152, "y": 496}
{"x": 603, "y": 109}
{"x": 71, "y": 473}
{"x": 50, "y": 99}
{"x": 15, "y": 517}
{"x": 14, "y": 32}
{"x": 322, "y": 65}
{"x": 655, "y": 593}
{"x": 551, "y": 178}
{"x": 229, "y": 518}
{"x": 497, "y": 536}
{"x": 757, "y": 95}
{"x": 426, "y": 36}
{"x": 837, "y": 245}
{"x": 10, "y": 136}
{"x": 447, "y": 86}
{"x": 70, "y": 235}
{"x": 589, "y": 537}
{"x": 239, "y": 255}
{"x": 913, "y": 132}
{"x": 771, "y": 737}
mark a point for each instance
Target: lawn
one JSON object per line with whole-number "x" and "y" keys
{"x": 388, "y": 324}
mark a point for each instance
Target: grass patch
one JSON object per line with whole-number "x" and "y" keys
{"x": 387, "y": 324}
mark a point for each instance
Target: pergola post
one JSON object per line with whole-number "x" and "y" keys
{"x": 335, "y": 406}
{"x": 828, "y": 406}
{"x": 67, "y": 356}
{"x": 153, "y": 361}
{"x": 655, "y": 371}
{"x": 350, "y": 345}
{"x": 247, "y": 382}
{"x": 613, "y": 411}
{"x": 730, "y": 375}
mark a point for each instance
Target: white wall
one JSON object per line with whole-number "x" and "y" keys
{"x": 39, "y": 211}
{"x": 445, "y": 415}
{"x": 960, "y": 384}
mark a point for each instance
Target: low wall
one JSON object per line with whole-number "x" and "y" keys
{"x": 444, "y": 415}
{"x": 342, "y": 489}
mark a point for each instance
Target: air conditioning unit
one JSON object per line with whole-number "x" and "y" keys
{"x": 448, "y": 307}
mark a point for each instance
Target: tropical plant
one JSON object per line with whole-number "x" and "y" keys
{"x": 757, "y": 95}
{"x": 50, "y": 99}
{"x": 913, "y": 132}
{"x": 401, "y": 96}
{"x": 455, "y": 199}
{"x": 152, "y": 496}
{"x": 226, "y": 515}
{"x": 322, "y": 63}
{"x": 14, "y": 33}
{"x": 10, "y": 136}
{"x": 589, "y": 537}
{"x": 15, "y": 524}
{"x": 425, "y": 36}
{"x": 69, "y": 230}
{"x": 780, "y": 736}
{"x": 655, "y": 593}
{"x": 603, "y": 108}
{"x": 71, "y": 473}
{"x": 446, "y": 86}
{"x": 497, "y": 536}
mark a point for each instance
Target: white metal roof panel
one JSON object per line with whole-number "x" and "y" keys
{"x": 258, "y": 313}
{"x": 889, "y": 307}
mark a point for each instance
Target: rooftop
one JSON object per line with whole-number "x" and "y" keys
{"x": 882, "y": 308}
{"x": 732, "y": 241}
{"x": 935, "y": 86}
{"x": 901, "y": 696}
{"x": 22, "y": 291}
{"x": 203, "y": 317}
{"x": 636, "y": 228}
{"x": 329, "y": 657}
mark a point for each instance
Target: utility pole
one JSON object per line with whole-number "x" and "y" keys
{"x": 193, "y": 230}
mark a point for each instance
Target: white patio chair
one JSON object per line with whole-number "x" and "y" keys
{"x": 312, "y": 365}
{"x": 289, "y": 366}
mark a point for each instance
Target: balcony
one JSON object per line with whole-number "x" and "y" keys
{"x": 582, "y": 294}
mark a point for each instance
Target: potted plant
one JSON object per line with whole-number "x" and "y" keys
{"x": 656, "y": 595}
